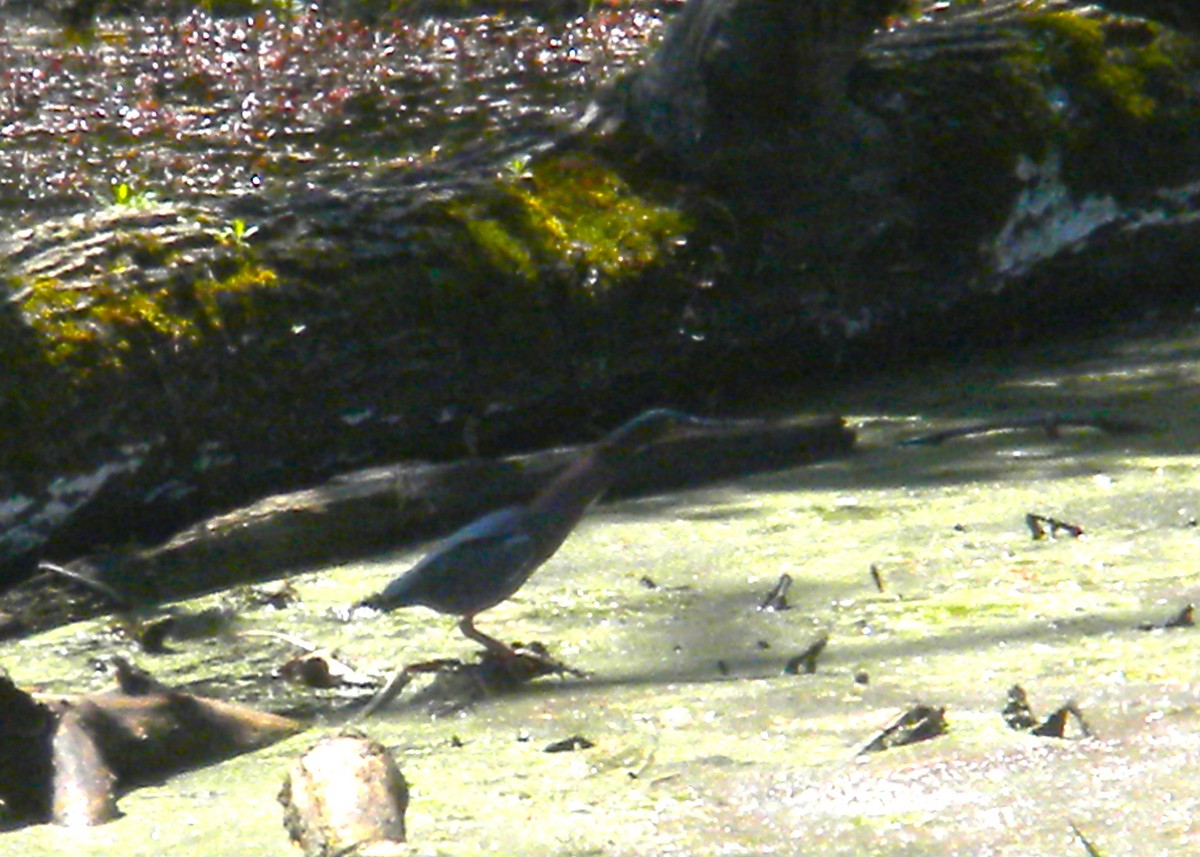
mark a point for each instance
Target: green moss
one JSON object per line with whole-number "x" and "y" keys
{"x": 1077, "y": 47}
{"x": 500, "y": 246}
{"x": 583, "y": 210}
{"x": 1111, "y": 87}
{"x": 247, "y": 278}
{"x": 51, "y": 310}
{"x": 1112, "y": 98}
{"x": 571, "y": 211}
{"x": 95, "y": 325}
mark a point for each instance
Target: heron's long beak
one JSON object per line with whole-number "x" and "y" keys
{"x": 690, "y": 425}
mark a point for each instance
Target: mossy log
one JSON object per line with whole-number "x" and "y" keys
{"x": 786, "y": 185}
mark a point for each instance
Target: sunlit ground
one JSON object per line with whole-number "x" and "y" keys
{"x": 702, "y": 744}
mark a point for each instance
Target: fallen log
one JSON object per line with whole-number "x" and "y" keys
{"x": 68, "y": 758}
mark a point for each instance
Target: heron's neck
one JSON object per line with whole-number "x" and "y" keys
{"x": 565, "y": 499}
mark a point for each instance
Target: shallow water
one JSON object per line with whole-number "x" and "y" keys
{"x": 702, "y": 745}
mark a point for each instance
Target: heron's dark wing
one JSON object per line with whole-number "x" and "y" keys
{"x": 475, "y": 568}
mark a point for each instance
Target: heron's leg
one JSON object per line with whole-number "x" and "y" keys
{"x": 535, "y": 654}
{"x": 467, "y": 626}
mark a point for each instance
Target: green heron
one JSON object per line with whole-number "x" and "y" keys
{"x": 488, "y": 560}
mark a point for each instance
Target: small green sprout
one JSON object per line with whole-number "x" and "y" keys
{"x": 124, "y": 196}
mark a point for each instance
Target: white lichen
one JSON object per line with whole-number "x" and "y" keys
{"x": 1047, "y": 218}
{"x": 63, "y": 497}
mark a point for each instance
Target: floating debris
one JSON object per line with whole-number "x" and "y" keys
{"x": 278, "y": 595}
{"x": 919, "y": 723}
{"x": 806, "y": 661}
{"x": 152, "y": 639}
{"x": 135, "y": 681}
{"x": 1039, "y": 524}
{"x": 323, "y": 670}
{"x": 317, "y": 667}
{"x": 776, "y": 599}
{"x": 1017, "y": 713}
{"x": 568, "y": 745}
{"x": 1055, "y": 725}
{"x": 1185, "y": 618}
{"x": 876, "y": 577}
{"x": 458, "y": 684}
{"x": 153, "y": 633}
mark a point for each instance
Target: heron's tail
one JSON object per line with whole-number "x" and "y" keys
{"x": 396, "y": 594}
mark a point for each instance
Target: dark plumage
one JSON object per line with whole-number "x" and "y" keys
{"x": 488, "y": 560}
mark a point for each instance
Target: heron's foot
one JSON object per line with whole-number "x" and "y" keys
{"x": 526, "y": 662}
{"x": 458, "y": 684}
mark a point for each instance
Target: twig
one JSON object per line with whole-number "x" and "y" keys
{"x": 808, "y": 658}
{"x": 776, "y": 599}
{"x": 91, "y": 583}
{"x": 1091, "y": 849}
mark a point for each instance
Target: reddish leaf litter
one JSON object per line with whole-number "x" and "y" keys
{"x": 202, "y": 106}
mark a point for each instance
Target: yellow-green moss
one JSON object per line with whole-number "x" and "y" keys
{"x": 573, "y": 211}
{"x": 500, "y": 246}
{"x": 1078, "y": 47}
{"x": 92, "y": 325}
{"x": 248, "y": 277}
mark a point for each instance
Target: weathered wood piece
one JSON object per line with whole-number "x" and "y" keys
{"x": 26, "y": 766}
{"x": 67, "y": 758}
{"x": 345, "y": 793}
{"x": 84, "y": 781}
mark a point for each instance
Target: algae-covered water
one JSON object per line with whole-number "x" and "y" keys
{"x": 702, "y": 745}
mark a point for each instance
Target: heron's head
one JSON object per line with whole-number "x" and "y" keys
{"x": 646, "y": 428}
